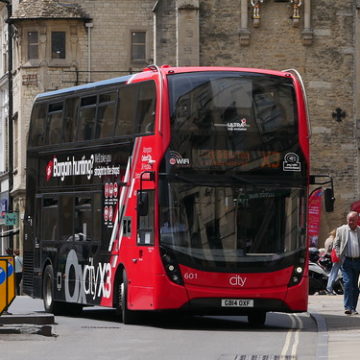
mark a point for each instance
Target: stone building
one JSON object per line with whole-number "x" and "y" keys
{"x": 62, "y": 43}
{"x": 57, "y": 44}
{"x": 318, "y": 38}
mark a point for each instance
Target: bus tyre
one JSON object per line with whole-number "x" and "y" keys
{"x": 257, "y": 318}
{"x": 50, "y": 305}
{"x": 128, "y": 316}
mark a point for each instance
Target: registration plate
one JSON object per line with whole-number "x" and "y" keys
{"x": 237, "y": 303}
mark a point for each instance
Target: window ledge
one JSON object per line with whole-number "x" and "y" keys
{"x": 31, "y": 63}
{"x": 139, "y": 62}
{"x": 59, "y": 63}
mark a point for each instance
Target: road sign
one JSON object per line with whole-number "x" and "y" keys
{"x": 7, "y": 281}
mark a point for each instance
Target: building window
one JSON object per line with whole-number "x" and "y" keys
{"x": 33, "y": 45}
{"x": 58, "y": 45}
{"x": 138, "y": 46}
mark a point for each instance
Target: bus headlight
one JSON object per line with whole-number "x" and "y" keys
{"x": 297, "y": 274}
{"x": 171, "y": 267}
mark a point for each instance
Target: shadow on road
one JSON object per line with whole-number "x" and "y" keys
{"x": 182, "y": 321}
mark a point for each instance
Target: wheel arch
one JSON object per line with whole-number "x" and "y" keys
{"x": 118, "y": 279}
{"x": 44, "y": 265}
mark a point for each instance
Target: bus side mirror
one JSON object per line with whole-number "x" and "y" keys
{"x": 328, "y": 192}
{"x": 142, "y": 203}
{"x": 329, "y": 199}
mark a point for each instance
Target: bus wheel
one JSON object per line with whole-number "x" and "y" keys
{"x": 128, "y": 316}
{"x": 50, "y": 305}
{"x": 257, "y": 318}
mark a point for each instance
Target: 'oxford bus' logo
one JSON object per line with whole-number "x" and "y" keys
{"x": 237, "y": 280}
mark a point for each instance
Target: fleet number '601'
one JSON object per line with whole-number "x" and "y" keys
{"x": 190, "y": 276}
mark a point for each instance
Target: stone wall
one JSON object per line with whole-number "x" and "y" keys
{"x": 113, "y": 22}
{"x": 327, "y": 66}
{"x": 103, "y": 48}
{"x": 327, "y": 61}
{"x": 165, "y": 36}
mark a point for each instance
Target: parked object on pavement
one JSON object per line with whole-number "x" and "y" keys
{"x": 319, "y": 272}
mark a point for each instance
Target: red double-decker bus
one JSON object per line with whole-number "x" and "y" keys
{"x": 174, "y": 188}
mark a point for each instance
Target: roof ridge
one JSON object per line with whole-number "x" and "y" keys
{"x": 31, "y": 9}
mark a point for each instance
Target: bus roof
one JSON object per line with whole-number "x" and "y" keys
{"x": 165, "y": 69}
{"x": 88, "y": 86}
{"x": 185, "y": 69}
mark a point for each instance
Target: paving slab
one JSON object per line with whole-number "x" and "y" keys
{"x": 26, "y": 316}
{"x": 342, "y": 331}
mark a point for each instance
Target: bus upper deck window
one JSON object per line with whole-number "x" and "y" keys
{"x": 105, "y": 115}
{"x": 126, "y": 111}
{"x": 37, "y": 125}
{"x": 70, "y": 118}
{"x": 54, "y": 123}
{"x": 87, "y": 118}
{"x": 146, "y": 108}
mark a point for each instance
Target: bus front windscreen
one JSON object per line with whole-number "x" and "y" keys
{"x": 231, "y": 227}
{"x": 233, "y": 180}
{"x": 234, "y": 121}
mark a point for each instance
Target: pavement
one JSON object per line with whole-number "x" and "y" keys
{"x": 338, "y": 334}
{"x": 26, "y": 317}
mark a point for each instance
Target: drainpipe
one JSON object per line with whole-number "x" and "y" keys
{"x": 89, "y": 25}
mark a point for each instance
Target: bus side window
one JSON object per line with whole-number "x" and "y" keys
{"x": 50, "y": 216}
{"x": 83, "y": 219}
{"x": 37, "y": 125}
{"x": 87, "y": 118}
{"x": 105, "y": 116}
{"x": 97, "y": 217}
{"x": 67, "y": 217}
{"x": 126, "y": 111}
{"x": 70, "y": 118}
{"x": 145, "y": 116}
{"x": 54, "y": 124}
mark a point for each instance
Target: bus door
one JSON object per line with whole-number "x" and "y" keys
{"x": 36, "y": 226}
{"x": 144, "y": 258}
